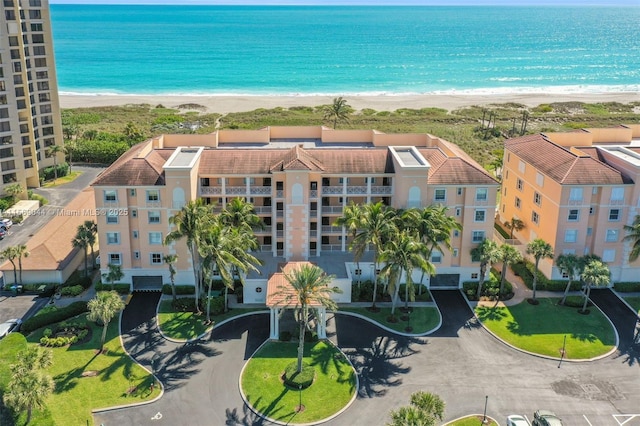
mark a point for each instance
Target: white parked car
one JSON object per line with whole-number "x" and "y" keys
{"x": 9, "y": 326}
{"x": 517, "y": 420}
{"x": 8, "y": 223}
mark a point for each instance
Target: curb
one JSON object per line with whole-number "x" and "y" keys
{"x": 491, "y": 419}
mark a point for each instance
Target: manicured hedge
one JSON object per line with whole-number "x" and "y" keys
{"x": 525, "y": 271}
{"x": 180, "y": 289}
{"x": 72, "y": 291}
{"x": 120, "y": 288}
{"x": 34, "y": 323}
{"x": 49, "y": 172}
{"x": 627, "y": 287}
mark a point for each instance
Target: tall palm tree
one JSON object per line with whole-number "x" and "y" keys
{"x": 487, "y": 253}
{"x": 425, "y": 410}
{"x": 514, "y": 224}
{"x": 351, "y": 219}
{"x": 170, "y": 260}
{"x": 81, "y": 241}
{"x": 53, "y": 151}
{"x": 570, "y": 265}
{"x": 633, "y": 235}
{"x": 539, "y": 249}
{"x": 508, "y": 255}
{"x": 311, "y": 286}
{"x": 103, "y": 308}
{"x": 188, "y": 223}
{"x": 595, "y": 274}
{"x": 338, "y": 111}
{"x": 405, "y": 252}
{"x": 239, "y": 213}
{"x": 11, "y": 254}
{"x": 378, "y": 225}
{"x": 21, "y": 251}
{"x": 27, "y": 390}
{"x": 91, "y": 229}
{"x": 114, "y": 274}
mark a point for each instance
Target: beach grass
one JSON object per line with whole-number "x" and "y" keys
{"x": 541, "y": 329}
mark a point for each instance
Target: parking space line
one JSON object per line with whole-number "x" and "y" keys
{"x": 525, "y": 416}
{"x": 630, "y": 417}
{"x": 585, "y": 417}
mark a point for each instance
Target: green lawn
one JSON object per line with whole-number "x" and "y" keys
{"x": 634, "y": 302}
{"x": 188, "y": 325}
{"x": 62, "y": 180}
{"x": 472, "y": 421}
{"x": 333, "y": 388}
{"x": 116, "y": 376}
{"x": 423, "y": 319}
{"x": 541, "y": 329}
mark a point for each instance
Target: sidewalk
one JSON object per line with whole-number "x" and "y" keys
{"x": 86, "y": 295}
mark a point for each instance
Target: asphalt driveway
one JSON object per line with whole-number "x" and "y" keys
{"x": 462, "y": 362}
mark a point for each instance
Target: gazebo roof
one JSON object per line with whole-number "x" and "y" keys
{"x": 280, "y": 293}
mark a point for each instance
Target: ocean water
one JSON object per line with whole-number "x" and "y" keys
{"x": 271, "y": 50}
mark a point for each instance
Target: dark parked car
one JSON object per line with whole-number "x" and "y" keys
{"x": 546, "y": 418}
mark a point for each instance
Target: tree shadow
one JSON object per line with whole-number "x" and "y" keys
{"x": 630, "y": 355}
{"x": 490, "y": 313}
{"x": 584, "y": 337}
{"x": 246, "y": 418}
{"x": 255, "y": 326}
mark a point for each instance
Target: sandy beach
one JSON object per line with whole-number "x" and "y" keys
{"x": 227, "y": 104}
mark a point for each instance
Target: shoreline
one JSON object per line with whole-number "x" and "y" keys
{"x": 224, "y": 104}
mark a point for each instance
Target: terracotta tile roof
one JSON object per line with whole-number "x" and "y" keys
{"x": 50, "y": 248}
{"x": 132, "y": 169}
{"x": 279, "y": 292}
{"x": 454, "y": 170}
{"x": 360, "y": 160}
{"x": 562, "y": 165}
{"x": 297, "y": 158}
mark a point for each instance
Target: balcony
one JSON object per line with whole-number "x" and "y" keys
{"x": 260, "y": 190}
{"x": 266, "y": 230}
{"x": 266, "y": 248}
{"x": 336, "y": 190}
{"x": 235, "y": 190}
{"x": 381, "y": 190}
{"x": 279, "y": 234}
{"x": 332, "y": 209}
{"x": 262, "y": 210}
{"x": 210, "y": 190}
{"x": 331, "y": 247}
{"x": 313, "y": 193}
{"x": 313, "y": 233}
{"x": 332, "y": 229}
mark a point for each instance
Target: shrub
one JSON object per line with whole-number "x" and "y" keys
{"x": 626, "y": 287}
{"x": 61, "y": 314}
{"x": 217, "y": 305}
{"x": 285, "y": 336}
{"x": 77, "y": 278}
{"x": 120, "y": 288}
{"x": 296, "y": 380}
{"x": 576, "y": 302}
{"x": 47, "y": 332}
{"x": 525, "y": 271}
{"x": 490, "y": 288}
{"x": 180, "y": 289}
{"x": 184, "y": 304}
{"x": 424, "y": 297}
{"x": 72, "y": 291}
{"x": 49, "y": 172}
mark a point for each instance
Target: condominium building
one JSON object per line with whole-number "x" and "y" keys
{"x": 299, "y": 179}
{"x": 29, "y": 106}
{"x": 576, "y": 191}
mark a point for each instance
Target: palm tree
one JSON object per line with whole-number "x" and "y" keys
{"x": 514, "y": 224}
{"x": 13, "y": 190}
{"x": 114, "y": 274}
{"x": 103, "y": 308}
{"x": 487, "y": 253}
{"x": 21, "y": 251}
{"x": 239, "y": 213}
{"x": 425, "y": 410}
{"x": 311, "y": 286}
{"x": 27, "y": 390}
{"x": 53, "y": 151}
{"x": 10, "y": 254}
{"x": 338, "y": 111}
{"x": 405, "y": 253}
{"x": 376, "y": 228}
{"x": 508, "y": 256}
{"x": 633, "y": 235}
{"x": 351, "y": 219}
{"x": 170, "y": 260}
{"x": 570, "y": 265}
{"x": 539, "y": 249}
{"x": 91, "y": 229}
{"x": 595, "y": 273}
{"x": 81, "y": 241}
{"x": 188, "y": 224}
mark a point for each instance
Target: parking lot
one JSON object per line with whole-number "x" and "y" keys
{"x": 21, "y": 306}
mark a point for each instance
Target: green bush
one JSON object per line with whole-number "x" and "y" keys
{"x": 72, "y": 291}
{"x": 120, "y": 288}
{"x": 184, "y": 304}
{"x": 6, "y": 202}
{"x": 78, "y": 278}
{"x": 626, "y": 287}
{"x": 216, "y": 306}
{"x": 49, "y": 172}
{"x": 301, "y": 380}
{"x": 285, "y": 336}
{"x": 525, "y": 271}
{"x": 424, "y": 297}
{"x": 180, "y": 289}
{"x": 364, "y": 291}
{"x": 576, "y": 302}
{"x": 490, "y": 287}
{"x": 104, "y": 149}
{"x": 61, "y": 314}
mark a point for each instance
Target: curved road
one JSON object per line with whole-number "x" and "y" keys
{"x": 462, "y": 363}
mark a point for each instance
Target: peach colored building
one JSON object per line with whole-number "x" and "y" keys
{"x": 299, "y": 179}
{"x": 575, "y": 190}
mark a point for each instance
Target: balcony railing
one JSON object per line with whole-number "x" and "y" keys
{"x": 235, "y": 190}
{"x": 616, "y": 202}
{"x": 265, "y": 230}
{"x": 332, "y": 229}
{"x": 279, "y": 213}
{"x": 210, "y": 190}
{"x": 327, "y": 190}
{"x": 331, "y": 209}
{"x": 262, "y": 210}
{"x": 280, "y": 193}
{"x": 279, "y": 234}
{"x": 260, "y": 190}
{"x": 313, "y": 193}
{"x": 381, "y": 189}
{"x": 331, "y": 247}
{"x": 313, "y": 233}
{"x": 266, "y": 248}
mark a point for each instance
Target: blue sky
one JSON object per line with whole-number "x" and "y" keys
{"x": 363, "y": 2}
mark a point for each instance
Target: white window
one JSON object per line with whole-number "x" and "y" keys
{"x": 614, "y": 215}
{"x": 521, "y": 166}
{"x": 570, "y": 235}
{"x": 112, "y": 218}
{"x": 575, "y": 194}
{"x": 370, "y": 180}
{"x": 115, "y": 259}
{"x": 153, "y": 195}
{"x": 436, "y": 257}
{"x": 612, "y": 235}
{"x": 136, "y": 254}
{"x": 455, "y": 252}
{"x": 110, "y": 195}
{"x": 574, "y": 215}
{"x": 517, "y": 202}
{"x": 480, "y": 215}
{"x": 609, "y": 255}
{"x": 154, "y": 216}
{"x": 249, "y": 180}
{"x": 155, "y": 237}
{"x": 569, "y": 251}
{"x": 458, "y": 211}
{"x": 343, "y": 180}
{"x": 617, "y": 194}
{"x": 477, "y": 236}
{"x": 113, "y": 238}
{"x": 135, "y": 234}
{"x": 440, "y": 194}
{"x": 132, "y": 192}
{"x": 519, "y": 184}
{"x": 220, "y": 181}
{"x": 535, "y": 217}
{"x": 156, "y": 258}
{"x": 537, "y": 198}
{"x": 481, "y": 194}
{"x": 540, "y": 179}
{"x": 134, "y": 213}
{"x": 594, "y": 190}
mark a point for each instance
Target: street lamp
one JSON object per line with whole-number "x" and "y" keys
{"x": 409, "y": 329}
{"x": 562, "y": 351}
{"x": 300, "y": 407}
{"x": 484, "y": 416}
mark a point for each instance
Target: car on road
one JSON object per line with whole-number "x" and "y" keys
{"x": 3, "y": 233}
{"x": 546, "y": 418}
{"x": 9, "y": 326}
{"x": 8, "y": 223}
{"x": 517, "y": 420}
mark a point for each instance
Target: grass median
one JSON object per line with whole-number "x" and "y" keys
{"x": 634, "y": 302}
{"x": 541, "y": 329}
{"x": 422, "y": 319}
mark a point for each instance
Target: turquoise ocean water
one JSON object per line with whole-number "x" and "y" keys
{"x": 267, "y": 50}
